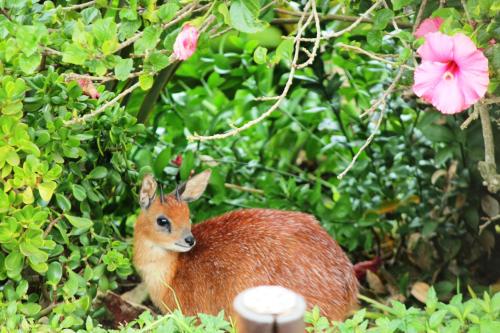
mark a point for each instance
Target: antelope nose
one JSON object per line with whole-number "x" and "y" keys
{"x": 190, "y": 240}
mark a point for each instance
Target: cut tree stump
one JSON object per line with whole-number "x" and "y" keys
{"x": 270, "y": 309}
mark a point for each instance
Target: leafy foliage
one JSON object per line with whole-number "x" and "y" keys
{"x": 68, "y": 187}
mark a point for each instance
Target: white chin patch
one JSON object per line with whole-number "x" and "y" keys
{"x": 178, "y": 248}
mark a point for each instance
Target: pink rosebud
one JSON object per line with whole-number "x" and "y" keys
{"x": 492, "y": 42}
{"x": 453, "y": 74}
{"x": 88, "y": 88}
{"x": 186, "y": 41}
{"x": 428, "y": 25}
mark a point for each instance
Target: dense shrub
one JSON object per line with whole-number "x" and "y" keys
{"x": 70, "y": 158}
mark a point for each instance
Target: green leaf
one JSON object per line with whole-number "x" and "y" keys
{"x": 260, "y": 55}
{"x": 123, "y": 68}
{"x": 4, "y": 202}
{"x": 158, "y": 61}
{"x": 222, "y": 8}
{"x": 398, "y": 4}
{"x": 374, "y": 38}
{"x": 438, "y": 133}
{"x": 29, "y": 64}
{"x": 79, "y": 222}
{"x": 74, "y": 54}
{"x": 54, "y": 273}
{"x": 33, "y": 253}
{"x": 98, "y": 173}
{"x": 382, "y": 18}
{"x": 46, "y": 189}
{"x": 244, "y": 16}
{"x": 30, "y": 309}
{"x": 71, "y": 286}
{"x": 14, "y": 264}
{"x": 146, "y": 81}
{"x": 437, "y": 318}
{"x": 104, "y": 30}
{"x": 284, "y": 50}
{"x": 63, "y": 202}
{"x": 167, "y": 11}
{"x": 29, "y": 147}
{"x": 148, "y": 40}
{"x": 78, "y": 192}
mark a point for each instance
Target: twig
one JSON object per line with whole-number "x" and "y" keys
{"x": 181, "y": 15}
{"x": 103, "y": 107}
{"x": 314, "y": 51}
{"x": 243, "y": 188}
{"x": 489, "y": 148}
{"x": 80, "y": 6}
{"x": 49, "y": 51}
{"x": 47, "y": 310}
{"x": 493, "y": 100}
{"x": 356, "y": 23}
{"x": 467, "y": 15}
{"x": 281, "y": 97}
{"x": 366, "y": 144}
{"x": 325, "y": 18}
{"x": 102, "y": 79}
{"x": 386, "y": 93}
{"x": 488, "y": 167}
{"x": 473, "y": 116}
{"x": 51, "y": 225}
{"x": 373, "y": 55}
{"x": 419, "y": 15}
{"x": 487, "y": 223}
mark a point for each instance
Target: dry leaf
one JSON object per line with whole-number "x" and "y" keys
{"x": 490, "y": 206}
{"x": 375, "y": 283}
{"x": 419, "y": 290}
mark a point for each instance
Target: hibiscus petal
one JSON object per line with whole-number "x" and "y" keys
{"x": 448, "y": 98}
{"x": 463, "y": 47}
{"x": 473, "y": 77}
{"x": 437, "y": 47}
{"x": 427, "y": 76}
{"x": 428, "y": 25}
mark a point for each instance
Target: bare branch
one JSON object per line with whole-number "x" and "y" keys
{"x": 293, "y": 67}
{"x": 79, "y": 6}
{"x": 103, "y": 107}
{"x": 243, "y": 188}
{"x": 314, "y": 51}
{"x": 379, "y": 102}
{"x": 325, "y": 18}
{"x": 419, "y": 15}
{"x": 366, "y": 144}
{"x": 373, "y": 55}
{"x": 356, "y": 23}
{"x": 385, "y": 94}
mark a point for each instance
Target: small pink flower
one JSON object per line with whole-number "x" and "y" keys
{"x": 186, "y": 41}
{"x": 453, "y": 74}
{"x": 88, "y": 88}
{"x": 428, "y": 25}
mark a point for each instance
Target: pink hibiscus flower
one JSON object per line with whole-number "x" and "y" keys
{"x": 428, "y": 25}
{"x": 186, "y": 41}
{"x": 453, "y": 74}
{"x": 88, "y": 88}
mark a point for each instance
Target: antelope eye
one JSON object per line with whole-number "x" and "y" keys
{"x": 162, "y": 221}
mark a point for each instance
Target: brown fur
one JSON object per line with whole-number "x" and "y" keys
{"x": 238, "y": 250}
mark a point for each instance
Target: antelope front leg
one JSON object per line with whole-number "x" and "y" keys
{"x": 137, "y": 295}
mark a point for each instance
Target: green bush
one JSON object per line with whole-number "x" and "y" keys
{"x": 70, "y": 163}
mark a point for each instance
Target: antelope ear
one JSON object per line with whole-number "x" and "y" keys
{"x": 194, "y": 187}
{"x": 148, "y": 191}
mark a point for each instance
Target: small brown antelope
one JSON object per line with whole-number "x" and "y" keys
{"x": 207, "y": 265}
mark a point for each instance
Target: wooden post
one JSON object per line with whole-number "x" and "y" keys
{"x": 270, "y": 309}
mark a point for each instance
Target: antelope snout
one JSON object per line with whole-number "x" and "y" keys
{"x": 190, "y": 240}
